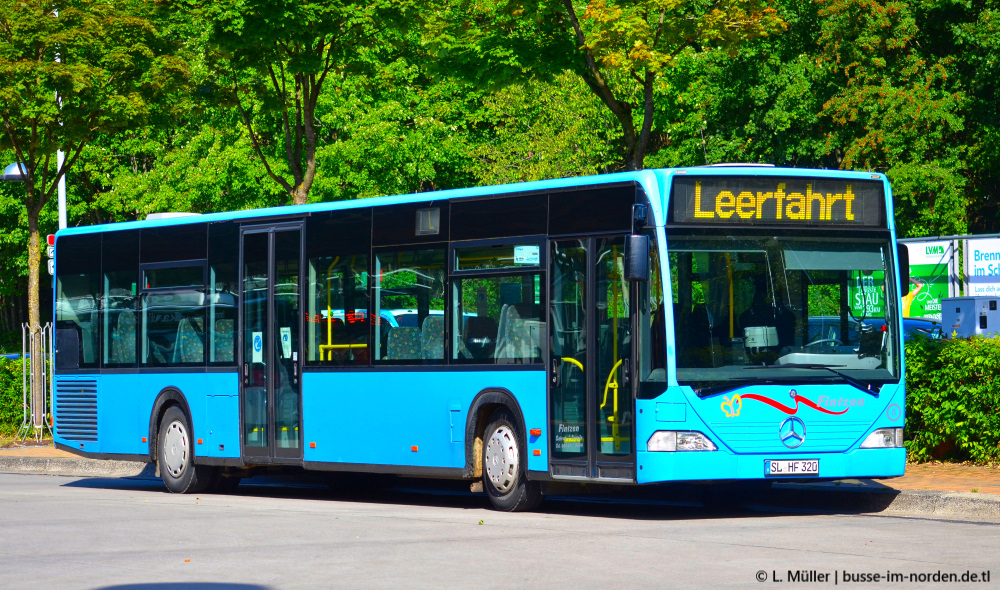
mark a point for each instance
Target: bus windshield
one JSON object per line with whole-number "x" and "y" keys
{"x": 753, "y": 308}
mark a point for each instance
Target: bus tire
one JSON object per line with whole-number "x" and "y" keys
{"x": 175, "y": 456}
{"x": 504, "y": 466}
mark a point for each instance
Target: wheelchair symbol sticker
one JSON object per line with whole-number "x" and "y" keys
{"x": 258, "y": 346}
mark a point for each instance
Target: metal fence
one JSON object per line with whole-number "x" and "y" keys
{"x": 36, "y": 400}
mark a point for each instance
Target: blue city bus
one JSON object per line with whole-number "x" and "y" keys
{"x": 632, "y": 328}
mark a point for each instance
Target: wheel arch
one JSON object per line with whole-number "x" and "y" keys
{"x": 168, "y": 396}
{"x": 482, "y": 408}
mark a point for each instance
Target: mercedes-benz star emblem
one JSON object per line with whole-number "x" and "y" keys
{"x": 792, "y": 432}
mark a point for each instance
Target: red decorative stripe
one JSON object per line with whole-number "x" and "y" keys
{"x": 789, "y": 410}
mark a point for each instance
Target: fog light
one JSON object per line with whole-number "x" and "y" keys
{"x": 884, "y": 438}
{"x": 679, "y": 440}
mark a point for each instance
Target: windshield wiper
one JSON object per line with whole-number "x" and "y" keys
{"x": 870, "y": 388}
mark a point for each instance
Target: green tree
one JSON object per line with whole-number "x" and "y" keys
{"x": 272, "y": 59}
{"x": 897, "y": 109}
{"x": 537, "y": 130}
{"x": 620, "y": 49}
{"x": 976, "y": 33}
{"x": 111, "y": 65}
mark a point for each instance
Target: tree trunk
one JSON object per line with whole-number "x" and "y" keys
{"x": 37, "y": 357}
{"x": 300, "y": 196}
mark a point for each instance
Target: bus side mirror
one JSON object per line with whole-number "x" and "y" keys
{"x": 637, "y": 258}
{"x": 903, "y": 256}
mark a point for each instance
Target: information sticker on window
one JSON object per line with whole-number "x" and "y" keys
{"x": 257, "y": 341}
{"x": 526, "y": 255}
{"x": 286, "y": 342}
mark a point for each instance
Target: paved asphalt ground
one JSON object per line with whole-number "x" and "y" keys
{"x": 69, "y": 522}
{"x": 121, "y": 533}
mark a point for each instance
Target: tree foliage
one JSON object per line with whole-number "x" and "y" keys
{"x": 104, "y": 61}
{"x": 272, "y": 60}
{"x": 620, "y": 49}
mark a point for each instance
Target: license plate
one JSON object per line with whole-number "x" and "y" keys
{"x": 790, "y": 467}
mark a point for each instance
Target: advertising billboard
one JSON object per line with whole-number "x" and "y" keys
{"x": 930, "y": 266}
{"x": 982, "y": 267}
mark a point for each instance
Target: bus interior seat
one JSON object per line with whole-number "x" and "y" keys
{"x": 432, "y": 337}
{"x": 123, "y": 344}
{"x": 514, "y": 342}
{"x": 694, "y": 343}
{"x": 224, "y": 331}
{"x": 189, "y": 346}
{"x": 480, "y": 336}
{"x": 403, "y": 344}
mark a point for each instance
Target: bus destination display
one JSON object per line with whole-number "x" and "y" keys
{"x": 768, "y": 200}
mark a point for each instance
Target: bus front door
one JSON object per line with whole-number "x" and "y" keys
{"x": 590, "y": 392}
{"x": 271, "y": 324}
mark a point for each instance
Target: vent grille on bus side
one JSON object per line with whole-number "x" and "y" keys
{"x": 76, "y": 409}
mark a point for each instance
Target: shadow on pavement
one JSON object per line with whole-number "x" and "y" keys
{"x": 186, "y": 586}
{"x": 676, "y": 501}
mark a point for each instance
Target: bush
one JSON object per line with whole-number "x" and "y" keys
{"x": 11, "y": 400}
{"x": 953, "y": 399}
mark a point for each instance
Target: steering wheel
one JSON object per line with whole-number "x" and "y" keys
{"x": 828, "y": 341}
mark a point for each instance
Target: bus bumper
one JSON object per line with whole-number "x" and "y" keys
{"x": 719, "y": 465}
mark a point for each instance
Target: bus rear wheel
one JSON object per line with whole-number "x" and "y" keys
{"x": 504, "y": 479}
{"x": 175, "y": 456}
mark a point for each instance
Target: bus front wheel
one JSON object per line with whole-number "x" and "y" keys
{"x": 504, "y": 460}
{"x": 175, "y": 456}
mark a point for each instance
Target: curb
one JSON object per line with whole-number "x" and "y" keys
{"x": 886, "y": 500}
{"x": 980, "y": 507}
{"x": 850, "y": 499}
{"x": 76, "y": 467}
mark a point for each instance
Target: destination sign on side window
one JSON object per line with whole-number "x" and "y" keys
{"x": 769, "y": 200}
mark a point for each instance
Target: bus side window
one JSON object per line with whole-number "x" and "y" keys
{"x": 173, "y": 328}
{"x": 120, "y": 289}
{"x": 223, "y": 292}
{"x": 410, "y": 283}
{"x": 498, "y": 319}
{"x": 337, "y": 326}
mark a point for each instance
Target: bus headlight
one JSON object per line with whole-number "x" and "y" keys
{"x": 884, "y": 438}
{"x": 679, "y": 440}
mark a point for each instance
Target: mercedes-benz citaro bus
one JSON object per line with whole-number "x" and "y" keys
{"x": 630, "y": 328}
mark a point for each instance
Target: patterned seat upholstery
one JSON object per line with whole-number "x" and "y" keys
{"x": 189, "y": 346}
{"x": 123, "y": 344}
{"x": 224, "y": 332}
{"x": 432, "y": 337}
{"x": 404, "y": 344}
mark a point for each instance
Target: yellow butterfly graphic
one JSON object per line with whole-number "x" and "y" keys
{"x": 732, "y": 406}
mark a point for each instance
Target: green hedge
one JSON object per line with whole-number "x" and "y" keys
{"x": 953, "y": 399}
{"x": 11, "y": 414}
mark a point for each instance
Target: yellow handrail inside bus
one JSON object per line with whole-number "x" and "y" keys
{"x": 612, "y": 383}
{"x": 567, "y": 359}
{"x": 329, "y": 309}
